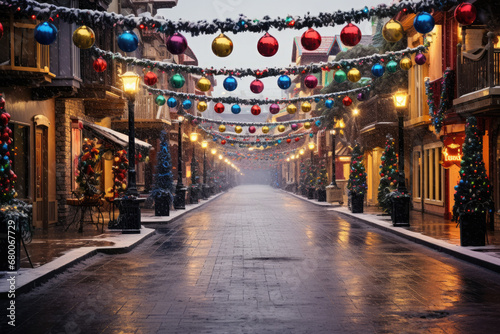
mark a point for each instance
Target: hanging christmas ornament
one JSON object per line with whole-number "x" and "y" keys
{"x": 291, "y": 109}
{"x": 393, "y": 31}
{"x": 347, "y": 101}
{"x": 274, "y": 108}
{"x": 238, "y": 129}
{"x": 1, "y": 30}
{"x": 187, "y": 104}
{"x": 235, "y": 109}
{"x": 392, "y": 66}
{"x": 354, "y": 75}
{"x": 99, "y": 65}
{"x": 267, "y": 45}
{"x": 465, "y": 13}
{"x": 150, "y": 78}
{"x": 222, "y": 128}
{"x": 405, "y": 63}
{"x": 307, "y": 125}
{"x": 177, "y": 80}
{"x": 420, "y": 59}
{"x": 256, "y": 86}
{"x": 202, "y": 106}
{"x": 329, "y": 103}
{"x": 297, "y": 139}
{"x": 311, "y": 81}
{"x": 281, "y": 128}
{"x": 265, "y": 129}
{"x": 176, "y": 44}
{"x": 230, "y": 83}
{"x": 84, "y": 37}
{"x": 423, "y": 23}
{"x": 222, "y": 46}
{"x": 45, "y": 33}
{"x": 378, "y": 70}
{"x": 310, "y": 40}
{"x": 350, "y": 35}
{"x": 317, "y": 123}
{"x": 294, "y": 126}
{"x": 172, "y": 102}
{"x": 340, "y": 76}
{"x": 219, "y": 108}
{"x": 305, "y": 107}
{"x": 284, "y": 82}
{"x": 288, "y": 140}
{"x": 255, "y": 110}
{"x": 160, "y": 100}
{"x": 204, "y": 84}
{"x": 252, "y": 129}
{"x": 223, "y": 141}
{"x": 128, "y": 41}
{"x": 361, "y": 96}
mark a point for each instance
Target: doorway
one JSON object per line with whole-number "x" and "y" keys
{"x": 41, "y": 177}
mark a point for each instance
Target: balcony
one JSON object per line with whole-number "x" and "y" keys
{"x": 376, "y": 118}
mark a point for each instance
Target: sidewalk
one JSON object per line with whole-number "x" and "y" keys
{"x": 55, "y": 250}
{"x": 429, "y": 230}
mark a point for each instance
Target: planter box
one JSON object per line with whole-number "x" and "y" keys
{"x": 400, "y": 214}
{"x": 310, "y": 192}
{"x": 162, "y": 207}
{"x": 357, "y": 202}
{"x": 472, "y": 229}
{"x": 321, "y": 195}
{"x": 334, "y": 194}
{"x": 193, "y": 195}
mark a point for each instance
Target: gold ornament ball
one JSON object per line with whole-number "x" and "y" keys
{"x": 238, "y": 129}
{"x": 291, "y": 109}
{"x": 265, "y": 129}
{"x": 306, "y": 107}
{"x": 405, "y": 63}
{"x": 353, "y": 75}
{"x": 222, "y": 46}
{"x": 281, "y": 128}
{"x": 83, "y": 37}
{"x": 202, "y": 106}
{"x": 204, "y": 84}
{"x": 307, "y": 125}
{"x": 222, "y": 128}
{"x": 393, "y": 31}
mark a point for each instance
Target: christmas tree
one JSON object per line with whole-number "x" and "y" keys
{"x": 119, "y": 169}
{"x": 302, "y": 177}
{"x": 357, "y": 177}
{"x": 388, "y": 175}
{"x": 311, "y": 174}
{"x": 163, "y": 185}
{"x": 473, "y": 192}
{"x": 88, "y": 173}
{"x": 322, "y": 178}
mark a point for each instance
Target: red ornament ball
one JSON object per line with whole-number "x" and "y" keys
{"x": 297, "y": 138}
{"x": 1, "y": 30}
{"x": 350, "y": 35}
{"x": 100, "y": 65}
{"x": 311, "y": 39}
{"x": 288, "y": 140}
{"x": 267, "y": 45}
{"x": 4, "y": 118}
{"x": 150, "y": 78}
{"x": 255, "y": 110}
{"x": 311, "y": 81}
{"x": 465, "y": 13}
{"x": 256, "y": 86}
{"x": 2, "y": 102}
{"x": 252, "y": 129}
{"x": 347, "y": 101}
{"x": 223, "y": 142}
{"x": 219, "y": 108}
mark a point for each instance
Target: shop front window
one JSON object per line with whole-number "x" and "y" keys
{"x": 20, "y": 158}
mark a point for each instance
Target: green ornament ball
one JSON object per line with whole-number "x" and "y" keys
{"x": 160, "y": 100}
{"x": 340, "y": 76}
{"x": 177, "y": 80}
{"x": 392, "y": 66}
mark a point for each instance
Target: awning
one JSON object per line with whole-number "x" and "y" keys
{"x": 114, "y": 137}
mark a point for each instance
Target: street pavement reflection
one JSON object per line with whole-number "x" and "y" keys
{"x": 257, "y": 260}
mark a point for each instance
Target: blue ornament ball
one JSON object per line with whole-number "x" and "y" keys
{"x": 45, "y": 33}
{"x": 423, "y": 23}
{"x": 230, "y": 83}
{"x": 378, "y": 70}
{"x": 128, "y": 41}
{"x": 5, "y": 159}
{"x": 318, "y": 122}
{"x": 316, "y": 99}
{"x": 456, "y": 187}
{"x": 214, "y": 138}
{"x": 279, "y": 141}
{"x": 172, "y": 102}
{"x": 311, "y": 135}
{"x": 235, "y": 109}
{"x": 329, "y": 103}
{"x": 187, "y": 104}
{"x": 284, "y": 82}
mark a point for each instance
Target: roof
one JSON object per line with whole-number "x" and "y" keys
{"x": 113, "y": 136}
{"x": 330, "y": 46}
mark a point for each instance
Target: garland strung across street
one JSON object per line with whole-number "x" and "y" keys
{"x": 446, "y": 97}
{"x": 266, "y": 141}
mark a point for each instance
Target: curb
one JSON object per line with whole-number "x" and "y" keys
{"x": 315, "y": 202}
{"x": 46, "y": 272}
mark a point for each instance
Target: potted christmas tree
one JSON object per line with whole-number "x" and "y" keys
{"x": 357, "y": 180}
{"x": 310, "y": 179}
{"x": 473, "y": 192}
{"x": 321, "y": 181}
{"x": 388, "y": 176}
{"x": 163, "y": 186}
{"x": 194, "y": 190}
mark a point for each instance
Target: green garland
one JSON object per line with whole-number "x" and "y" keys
{"x": 446, "y": 99}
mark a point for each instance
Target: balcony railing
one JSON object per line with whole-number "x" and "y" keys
{"x": 378, "y": 110}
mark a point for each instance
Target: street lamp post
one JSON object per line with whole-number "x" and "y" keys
{"x": 204, "y": 187}
{"x": 310, "y": 188}
{"x": 401, "y": 203}
{"x": 180, "y": 190}
{"x": 213, "y": 170}
{"x": 130, "y": 211}
{"x": 193, "y": 198}
{"x": 334, "y": 182}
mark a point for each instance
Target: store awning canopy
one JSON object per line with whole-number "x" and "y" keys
{"x": 114, "y": 137}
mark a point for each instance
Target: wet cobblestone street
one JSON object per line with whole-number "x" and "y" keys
{"x": 257, "y": 260}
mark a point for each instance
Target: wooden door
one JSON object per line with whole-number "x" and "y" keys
{"x": 41, "y": 177}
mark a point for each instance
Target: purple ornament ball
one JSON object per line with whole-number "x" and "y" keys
{"x": 420, "y": 59}
{"x": 274, "y": 108}
{"x": 361, "y": 97}
{"x": 176, "y": 44}
{"x": 311, "y": 81}
{"x": 294, "y": 126}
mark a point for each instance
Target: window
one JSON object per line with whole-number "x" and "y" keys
{"x": 76, "y": 148}
{"x": 20, "y": 158}
{"x": 433, "y": 174}
{"x": 140, "y": 173}
{"x": 419, "y": 90}
{"x": 417, "y": 174}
